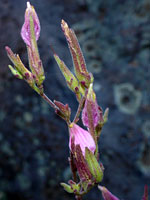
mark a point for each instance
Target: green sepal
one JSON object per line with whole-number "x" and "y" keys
{"x": 19, "y": 66}
{"x": 105, "y": 116}
{"x": 72, "y": 82}
{"x": 15, "y": 72}
{"x": 93, "y": 165}
{"x": 67, "y": 187}
{"x": 75, "y": 186}
{"x": 99, "y": 127}
{"x": 72, "y": 188}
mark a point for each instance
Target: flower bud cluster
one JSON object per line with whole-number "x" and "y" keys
{"x": 83, "y": 143}
{"x": 30, "y": 33}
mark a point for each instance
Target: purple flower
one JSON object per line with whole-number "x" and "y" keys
{"x": 81, "y": 137}
{"x": 106, "y": 194}
{"x": 91, "y": 109}
{"x": 26, "y": 34}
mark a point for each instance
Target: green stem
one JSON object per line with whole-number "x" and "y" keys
{"x": 50, "y": 102}
{"x": 53, "y": 105}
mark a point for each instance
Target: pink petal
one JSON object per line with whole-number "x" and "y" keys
{"x": 81, "y": 137}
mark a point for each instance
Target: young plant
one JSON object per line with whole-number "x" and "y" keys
{"x": 87, "y": 170}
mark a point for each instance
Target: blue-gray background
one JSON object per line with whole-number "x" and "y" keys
{"x": 115, "y": 38}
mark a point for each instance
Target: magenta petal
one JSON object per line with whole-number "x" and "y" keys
{"x": 81, "y": 137}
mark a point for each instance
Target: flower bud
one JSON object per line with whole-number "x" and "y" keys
{"x": 106, "y": 194}
{"x": 64, "y": 110}
{"x": 26, "y": 30}
{"x": 145, "y": 196}
{"x": 81, "y": 137}
{"x": 82, "y": 74}
{"x": 19, "y": 70}
{"x": 91, "y": 108}
{"x": 30, "y": 33}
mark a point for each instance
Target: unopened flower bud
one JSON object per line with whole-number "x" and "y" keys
{"x": 91, "y": 108}
{"x": 30, "y": 33}
{"x": 81, "y": 137}
{"x": 82, "y": 74}
{"x": 145, "y": 196}
{"x": 26, "y": 31}
{"x": 106, "y": 194}
{"x": 19, "y": 70}
{"x": 64, "y": 110}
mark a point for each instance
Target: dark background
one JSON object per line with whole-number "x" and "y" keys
{"x": 115, "y": 39}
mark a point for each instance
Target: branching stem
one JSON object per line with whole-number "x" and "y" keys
{"x": 50, "y": 102}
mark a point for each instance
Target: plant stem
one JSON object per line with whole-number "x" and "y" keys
{"x": 76, "y": 118}
{"x": 49, "y": 102}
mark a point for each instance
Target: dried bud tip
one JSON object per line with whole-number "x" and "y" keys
{"x": 28, "y": 5}
{"x": 64, "y": 24}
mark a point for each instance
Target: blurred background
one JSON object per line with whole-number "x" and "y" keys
{"x": 115, "y": 39}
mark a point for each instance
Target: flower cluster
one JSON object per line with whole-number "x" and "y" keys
{"x": 87, "y": 170}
